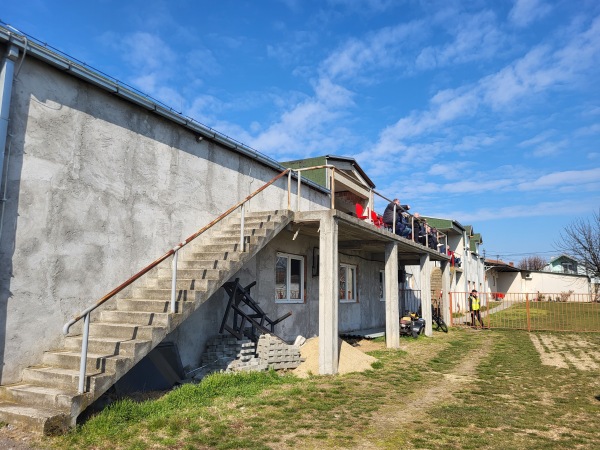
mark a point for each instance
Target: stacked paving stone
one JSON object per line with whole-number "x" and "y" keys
{"x": 276, "y": 354}
{"x": 226, "y": 353}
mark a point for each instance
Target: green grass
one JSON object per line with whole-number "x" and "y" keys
{"x": 416, "y": 397}
{"x": 552, "y": 316}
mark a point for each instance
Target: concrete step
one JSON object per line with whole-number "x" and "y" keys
{"x": 124, "y": 331}
{"x": 153, "y": 305}
{"x": 109, "y": 345}
{"x": 40, "y": 420}
{"x": 194, "y": 274}
{"x": 249, "y": 232}
{"x": 234, "y": 238}
{"x": 185, "y": 295}
{"x": 137, "y": 317}
{"x": 217, "y": 248}
{"x": 44, "y": 396}
{"x": 96, "y": 362}
{"x": 223, "y": 256}
{"x": 198, "y": 264}
{"x": 58, "y": 377}
{"x": 186, "y": 283}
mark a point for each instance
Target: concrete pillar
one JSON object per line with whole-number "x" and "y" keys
{"x": 445, "y": 306}
{"x": 392, "y": 314}
{"x": 425, "y": 264}
{"x": 328, "y": 296}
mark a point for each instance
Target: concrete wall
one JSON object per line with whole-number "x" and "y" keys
{"x": 97, "y": 189}
{"x": 555, "y": 283}
{"x": 513, "y": 283}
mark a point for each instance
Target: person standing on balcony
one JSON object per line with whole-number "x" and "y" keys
{"x": 402, "y": 227}
{"x": 474, "y": 307}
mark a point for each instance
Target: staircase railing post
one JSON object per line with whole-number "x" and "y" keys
{"x": 242, "y": 220}
{"x": 174, "y": 279}
{"x": 290, "y": 189}
{"x": 298, "y": 194}
{"x": 333, "y": 188}
{"x": 394, "y": 221}
{"x": 84, "y": 349}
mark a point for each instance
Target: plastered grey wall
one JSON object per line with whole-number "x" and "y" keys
{"x": 96, "y": 189}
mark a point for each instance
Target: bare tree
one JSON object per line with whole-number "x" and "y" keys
{"x": 581, "y": 241}
{"x": 532, "y": 263}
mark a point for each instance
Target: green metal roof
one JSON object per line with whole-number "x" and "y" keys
{"x": 444, "y": 225}
{"x": 475, "y": 239}
{"x": 319, "y": 176}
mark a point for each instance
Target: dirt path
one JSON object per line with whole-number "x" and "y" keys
{"x": 12, "y": 438}
{"x": 415, "y": 406}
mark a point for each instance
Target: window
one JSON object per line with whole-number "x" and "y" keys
{"x": 289, "y": 278}
{"x": 347, "y": 279}
{"x": 382, "y": 285}
{"x": 567, "y": 267}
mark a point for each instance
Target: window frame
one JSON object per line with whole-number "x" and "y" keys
{"x": 288, "y": 283}
{"x": 354, "y": 283}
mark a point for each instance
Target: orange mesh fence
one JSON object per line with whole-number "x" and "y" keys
{"x": 533, "y": 312}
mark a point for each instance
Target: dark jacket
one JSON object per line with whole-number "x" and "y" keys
{"x": 388, "y": 214}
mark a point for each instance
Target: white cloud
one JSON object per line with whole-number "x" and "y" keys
{"x": 305, "y": 127}
{"x": 381, "y": 49}
{"x": 526, "y": 11}
{"x": 562, "y": 179}
{"x": 474, "y": 37}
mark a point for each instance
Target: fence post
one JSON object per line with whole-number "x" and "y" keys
{"x": 528, "y": 315}
{"x": 451, "y": 319}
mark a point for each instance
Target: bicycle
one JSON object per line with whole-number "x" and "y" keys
{"x": 438, "y": 321}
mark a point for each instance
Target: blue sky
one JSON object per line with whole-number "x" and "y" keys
{"x": 487, "y": 112}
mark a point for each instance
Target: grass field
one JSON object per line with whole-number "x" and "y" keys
{"x": 548, "y": 316}
{"x": 461, "y": 390}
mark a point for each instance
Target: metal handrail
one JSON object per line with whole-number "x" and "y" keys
{"x": 299, "y": 172}
{"x": 86, "y": 313}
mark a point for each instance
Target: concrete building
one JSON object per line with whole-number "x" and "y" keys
{"x": 108, "y": 193}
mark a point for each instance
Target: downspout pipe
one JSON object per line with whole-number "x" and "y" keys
{"x": 7, "y": 74}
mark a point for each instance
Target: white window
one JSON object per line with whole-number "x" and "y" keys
{"x": 347, "y": 279}
{"x": 382, "y": 285}
{"x": 289, "y": 278}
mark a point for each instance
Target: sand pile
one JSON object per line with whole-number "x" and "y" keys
{"x": 351, "y": 359}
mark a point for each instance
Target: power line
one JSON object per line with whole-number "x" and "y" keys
{"x": 521, "y": 254}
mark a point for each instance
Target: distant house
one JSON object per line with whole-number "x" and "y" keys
{"x": 503, "y": 279}
{"x": 562, "y": 264}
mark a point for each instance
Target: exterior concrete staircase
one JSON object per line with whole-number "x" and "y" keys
{"x": 46, "y": 400}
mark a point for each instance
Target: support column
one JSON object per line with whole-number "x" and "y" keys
{"x": 328, "y": 295}
{"x": 392, "y": 314}
{"x": 445, "y": 306}
{"x": 426, "y": 293}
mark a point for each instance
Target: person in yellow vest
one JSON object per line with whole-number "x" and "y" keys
{"x": 474, "y": 307}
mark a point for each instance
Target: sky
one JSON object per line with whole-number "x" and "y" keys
{"x": 485, "y": 112}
